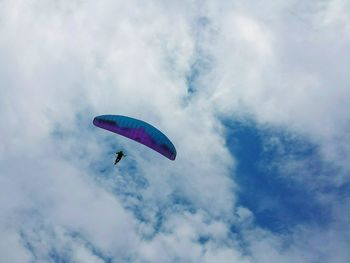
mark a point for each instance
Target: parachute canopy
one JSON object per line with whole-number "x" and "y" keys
{"x": 139, "y": 131}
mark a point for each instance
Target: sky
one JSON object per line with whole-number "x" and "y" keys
{"x": 253, "y": 94}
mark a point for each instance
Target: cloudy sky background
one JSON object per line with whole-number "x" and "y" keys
{"x": 255, "y": 97}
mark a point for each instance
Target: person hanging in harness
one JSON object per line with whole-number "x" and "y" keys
{"x": 120, "y": 155}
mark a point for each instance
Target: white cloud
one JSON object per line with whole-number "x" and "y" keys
{"x": 300, "y": 83}
{"x": 63, "y": 63}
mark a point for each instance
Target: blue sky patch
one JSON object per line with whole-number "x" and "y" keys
{"x": 278, "y": 202}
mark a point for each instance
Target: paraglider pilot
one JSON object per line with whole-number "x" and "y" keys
{"x": 120, "y": 155}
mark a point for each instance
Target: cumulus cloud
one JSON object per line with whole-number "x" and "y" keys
{"x": 290, "y": 70}
{"x": 184, "y": 67}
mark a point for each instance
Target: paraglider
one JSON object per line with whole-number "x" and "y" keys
{"x": 120, "y": 155}
{"x": 139, "y": 131}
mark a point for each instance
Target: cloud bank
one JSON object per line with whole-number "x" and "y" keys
{"x": 191, "y": 69}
